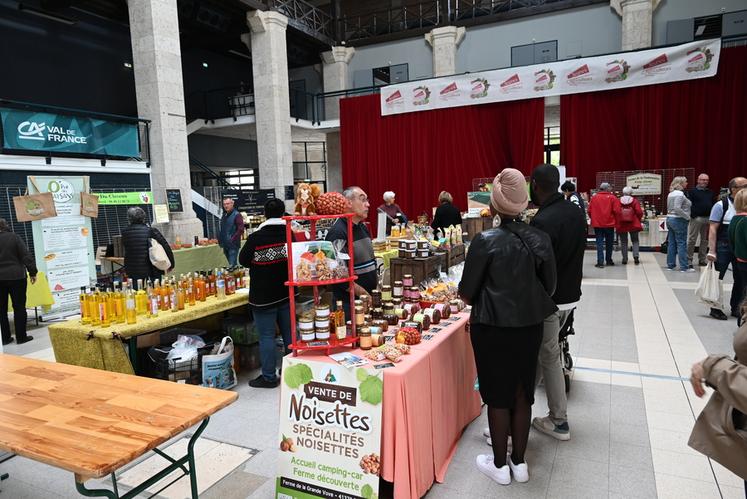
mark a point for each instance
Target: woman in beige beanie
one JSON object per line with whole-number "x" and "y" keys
{"x": 509, "y": 278}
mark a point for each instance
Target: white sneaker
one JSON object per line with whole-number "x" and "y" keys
{"x": 548, "y": 427}
{"x": 519, "y": 471}
{"x": 486, "y": 432}
{"x": 501, "y": 475}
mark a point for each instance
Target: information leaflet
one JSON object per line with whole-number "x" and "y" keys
{"x": 330, "y": 431}
{"x": 63, "y": 245}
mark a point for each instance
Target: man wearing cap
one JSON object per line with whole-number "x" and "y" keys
{"x": 602, "y": 212}
{"x": 394, "y": 213}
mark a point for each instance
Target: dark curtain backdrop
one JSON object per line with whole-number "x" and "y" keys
{"x": 417, "y": 155}
{"x": 700, "y": 124}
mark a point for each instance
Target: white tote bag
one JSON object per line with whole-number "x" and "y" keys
{"x": 158, "y": 256}
{"x": 217, "y": 368}
{"x": 710, "y": 290}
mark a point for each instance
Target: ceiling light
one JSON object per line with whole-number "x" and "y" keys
{"x": 46, "y": 15}
{"x": 204, "y": 64}
{"x": 128, "y": 65}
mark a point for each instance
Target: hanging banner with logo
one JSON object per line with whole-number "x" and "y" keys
{"x": 330, "y": 431}
{"x": 125, "y": 198}
{"x": 25, "y": 130}
{"x": 63, "y": 245}
{"x": 589, "y": 74}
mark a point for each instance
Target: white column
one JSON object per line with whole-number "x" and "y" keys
{"x": 157, "y": 62}
{"x": 444, "y": 42}
{"x": 637, "y": 22}
{"x": 271, "y": 100}
{"x": 336, "y": 76}
{"x": 334, "y": 163}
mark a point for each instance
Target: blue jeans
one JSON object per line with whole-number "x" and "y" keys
{"x": 231, "y": 255}
{"x": 605, "y": 241}
{"x": 266, "y": 319}
{"x": 677, "y": 242}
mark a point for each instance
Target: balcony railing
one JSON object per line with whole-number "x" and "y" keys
{"x": 423, "y": 15}
{"x": 306, "y": 18}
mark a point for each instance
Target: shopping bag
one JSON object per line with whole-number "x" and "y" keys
{"x": 31, "y": 207}
{"x": 158, "y": 256}
{"x": 217, "y": 368}
{"x": 709, "y": 290}
{"x": 89, "y": 205}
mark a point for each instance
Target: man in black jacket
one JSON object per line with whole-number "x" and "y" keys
{"x": 265, "y": 254}
{"x": 566, "y": 226}
{"x": 700, "y": 211}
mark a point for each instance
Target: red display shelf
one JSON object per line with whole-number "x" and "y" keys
{"x": 332, "y": 343}
{"x": 321, "y": 283}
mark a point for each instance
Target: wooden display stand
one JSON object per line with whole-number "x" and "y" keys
{"x": 473, "y": 226}
{"x": 420, "y": 268}
{"x": 332, "y": 342}
{"x": 452, "y": 256}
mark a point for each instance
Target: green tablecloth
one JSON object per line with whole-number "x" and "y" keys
{"x": 199, "y": 258}
{"x": 387, "y": 256}
{"x": 38, "y": 294}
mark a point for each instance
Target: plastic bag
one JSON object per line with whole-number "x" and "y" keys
{"x": 185, "y": 347}
{"x": 217, "y": 368}
{"x": 709, "y": 290}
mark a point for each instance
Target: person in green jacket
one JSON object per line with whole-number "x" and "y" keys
{"x": 738, "y": 240}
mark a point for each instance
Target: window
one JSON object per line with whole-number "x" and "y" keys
{"x": 244, "y": 179}
{"x": 534, "y": 53}
{"x": 388, "y": 75}
{"x": 552, "y": 145}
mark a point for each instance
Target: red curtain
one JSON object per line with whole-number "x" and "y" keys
{"x": 417, "y": 155}
{"x": 699, "y": 124}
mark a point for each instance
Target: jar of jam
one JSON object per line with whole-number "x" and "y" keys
{"x": 454, "y": 306}
{"x": 398, "y": 289}
{"x": 388, "y": 308}
{"x": 397, "y": 302}
{"x": 377, "y": 313}
{"x": 376, "y": 298}
{"x": 360, "y": 317}
{"x": 386, "y": 292}
{"x": 364, "y": 338}
{"x": 391, "y": 319}
{"x": 407, "y": 280}
{"x": 322, "y": 333}
{"x": 415, "y": 293}
{"x": 321, "y": 311}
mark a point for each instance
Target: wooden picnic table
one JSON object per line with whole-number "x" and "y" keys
{"x": 92, "y": 422}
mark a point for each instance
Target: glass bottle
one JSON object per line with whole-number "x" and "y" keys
{"x": 141, "y": 299}
{"x": 174, "y": 296}
{"x": 104, "y": 309}
{"x": 341, "y": 329}
{"x": 191, "y": 292}
{"x": 93, "y": 307}
{"x": 153, "y": 301}
{"x": 118, "y": 302}
{"x": 220, "y": 285}
{"x": 130, "y": 306}
{"x": 84, "y": 317}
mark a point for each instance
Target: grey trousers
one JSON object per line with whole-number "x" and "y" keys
{"x": 698, "y": 227}
{"x": 550, "y": 368}
{"x": 624, "y": 244}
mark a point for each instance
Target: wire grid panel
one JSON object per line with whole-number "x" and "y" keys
{"x": 8, "y": 212}
{"x": 619, "y": 179}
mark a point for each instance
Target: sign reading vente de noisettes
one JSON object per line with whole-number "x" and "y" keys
{"x": 25, "y": 130}
{"x": 589, "y": 74}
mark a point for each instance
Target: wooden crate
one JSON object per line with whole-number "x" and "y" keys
{"x": 473, "y": 226}
{"x": 451, "y": 257}
{"x": 420, "y": 268}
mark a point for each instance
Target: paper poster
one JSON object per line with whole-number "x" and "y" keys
{"x": 63, "y": 245}
{"x": 644, "y": 184}
{"x": 161, "y": 213}
{"x": 330, "y": 431}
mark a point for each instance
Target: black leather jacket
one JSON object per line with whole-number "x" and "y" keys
{"x": 136, "y": 241}
{"x": 509, "y": 276}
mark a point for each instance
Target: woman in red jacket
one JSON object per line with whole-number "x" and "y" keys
{"x": 628, "y": 215}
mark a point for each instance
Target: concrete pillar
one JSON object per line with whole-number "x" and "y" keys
{"x": 637, "y": 22}
{"x": 336, "y": 74}
{"x": 444, "y": 42}
{"x": 271, "y": 100}
{"x": 157, "y": 62}
{"x": 334, "y": 163}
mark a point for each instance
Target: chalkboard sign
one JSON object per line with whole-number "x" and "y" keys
{"x": 252, "y": 202}
{"x": 174, "y": 200}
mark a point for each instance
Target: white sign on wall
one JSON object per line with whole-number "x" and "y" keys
{"x": 644, "y": 184}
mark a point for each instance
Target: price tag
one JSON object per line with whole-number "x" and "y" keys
{"x": 383, "y": 366}
{"x": 434, "y": 329}
{"x": 427, "y": 337}
{"x": 318, "y": 343}
{"x": 388, "y": 338}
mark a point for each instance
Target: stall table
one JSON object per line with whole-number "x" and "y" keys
{"x": 199, "y": 258}
{"x": 101, "y": 348}
{"x": 429, "y": 398}
{"x": 474, "y": 225}
{"x": 92, "y": 423}
{"x": 386, "y": 256}
{"x": 421, "y": 269}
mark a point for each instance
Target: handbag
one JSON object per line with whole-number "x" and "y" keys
{"x": 158, "y": 257}
{"x": 217, "y": 368}
{"x": 32, "y": 207}
{"x": 710, "y": 289}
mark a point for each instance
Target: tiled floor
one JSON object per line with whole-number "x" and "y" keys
{"x": 638, "y": 331}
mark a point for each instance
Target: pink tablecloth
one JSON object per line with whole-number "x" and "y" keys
{"x": 429, "y": 398}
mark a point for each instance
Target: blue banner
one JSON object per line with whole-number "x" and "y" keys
{"x": 25, "y": 130}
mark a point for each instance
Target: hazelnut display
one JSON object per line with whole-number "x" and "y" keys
{"x": 371, "y": 464}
